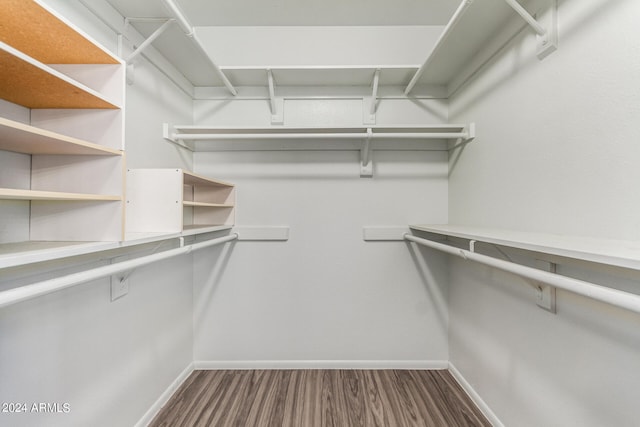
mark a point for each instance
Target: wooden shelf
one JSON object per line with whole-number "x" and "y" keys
{"x": 37, "y": 31}
{"x": 22, "y": 138}
{"x": 206, "y": 205}
{"x": 17, "y": 194}
{"x": 620, "y": 253}
{"x": 32, "y": 84}
{"x": 191, "y": 178}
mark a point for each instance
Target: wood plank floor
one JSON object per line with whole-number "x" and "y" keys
{"x": 323, "y": 398}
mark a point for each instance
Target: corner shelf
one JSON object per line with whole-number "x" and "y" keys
{"x": 619, "y": 253}
{"x": 174, "y": 200}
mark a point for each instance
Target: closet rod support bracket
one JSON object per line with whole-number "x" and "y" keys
{"x": 366, "y": 167}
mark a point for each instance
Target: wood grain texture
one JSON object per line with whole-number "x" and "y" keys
{"x": 27, "y": 26}
{"x": 326, "y": 398}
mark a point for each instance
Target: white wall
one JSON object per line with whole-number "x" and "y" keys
{"x": 556, "y": 150}
{"x": 109, "y": 360}
{"x": 325, "y": 294}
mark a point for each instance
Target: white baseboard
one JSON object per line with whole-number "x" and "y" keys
{"x": 164, "y": 397}
{"x": 475, "y": 397}
{"x": 320, "y": 364}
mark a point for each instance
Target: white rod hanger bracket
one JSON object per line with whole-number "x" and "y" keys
{"x": 169, "y": 136}
{"x": 545, "y": 26}
{"x": 366, "y": 167}
{"x": 276, "y": 103}
{"x": 370, "y": 104}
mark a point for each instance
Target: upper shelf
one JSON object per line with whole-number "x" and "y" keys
{"x": 620, "y": 253}
{"x": 321, "y": 76}
{"x": 22, "y": 138}
{"x": 32, "y": 28}
{"x": 478, "y": 23}
{"x": 32, "y": 84}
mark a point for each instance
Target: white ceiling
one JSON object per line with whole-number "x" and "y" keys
{"x": 298, "y": 12}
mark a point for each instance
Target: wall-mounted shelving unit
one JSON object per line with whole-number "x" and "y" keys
{"x": 174, "y": 200}
{"x": 362, "y": 138}
{"x": 71, "y": 186}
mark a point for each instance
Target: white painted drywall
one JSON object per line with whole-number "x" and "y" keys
{"x": 325, "y": 294}
{"x": 556, "y": 152}
{"x": 109, "y": 361}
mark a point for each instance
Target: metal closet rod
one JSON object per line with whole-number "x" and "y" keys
{"x": 187, "y": 28}
{"x": 614, "y": 297}
{"x": 23, "y": 293}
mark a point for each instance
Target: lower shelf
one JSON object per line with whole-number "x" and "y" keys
{"x": 16, "y": 194}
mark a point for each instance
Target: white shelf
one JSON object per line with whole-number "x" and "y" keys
{"x": 620, "y": 253}
{"x": 321, "y": 76}
{"x": 472, "y": 32}
{"x": 17, "y": 194}
{"x": 399, "y": 137}
{"x": 22, "y": 253}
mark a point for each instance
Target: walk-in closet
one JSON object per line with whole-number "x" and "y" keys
{"x": 330, "y": 213}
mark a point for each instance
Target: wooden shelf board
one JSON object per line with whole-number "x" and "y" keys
{"x": 17, "y": 194}
{"x": 33, "y": 29}
{"x": 22, "y": 138}
{"x": 191, "y": 178}
{"x": 29, "y": 83}
{"x": 620, "y": 253}
{"x": 206, "y": 205}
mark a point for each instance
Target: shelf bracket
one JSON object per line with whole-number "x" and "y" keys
{"x": 149, "y": 40}
{"x": 369, "y": 104}
{"x": 546, "y": 27}
{"x": 470, "y": 130}
{"x": 169, "y": 136}
{"x": 366, "y": 168}
{"x": 277, "y": 104}
{"x": 546, "y": 294}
